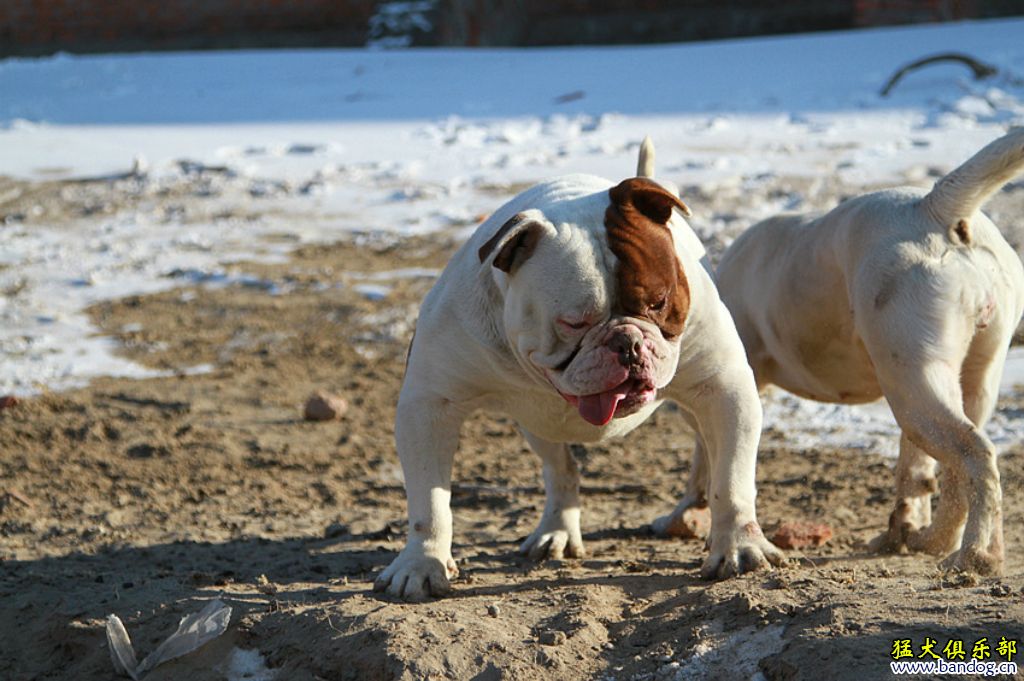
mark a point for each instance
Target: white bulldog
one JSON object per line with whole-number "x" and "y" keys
{"x": 906, "y": 294}
{"x": 576, "y": 309}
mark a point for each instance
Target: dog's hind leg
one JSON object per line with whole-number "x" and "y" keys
{"x": 915, "y": 484}
{"x": 690, "y": 517}
{"x": 980, "y": 378}
{"x": 928, "y": 406}
{"x": 944, "y": 534}
{"x": 558, "y": 533}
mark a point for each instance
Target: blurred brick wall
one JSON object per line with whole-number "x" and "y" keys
{"x": 550, "y": 22}
{"x": 547, "y": 22}
{"x": 43, "y": 26}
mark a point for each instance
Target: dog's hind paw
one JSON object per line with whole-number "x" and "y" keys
{"x": 893, "y": 540}
{"x": 930, "y": 540}
{"x": 974, "y": 560}
{"x": 555, "y": 538}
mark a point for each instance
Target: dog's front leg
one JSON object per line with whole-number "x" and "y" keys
{"x": 427, "y": 434}
{"x": 728, "y": 415}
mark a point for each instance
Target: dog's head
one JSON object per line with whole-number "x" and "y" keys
{"x": 595, "y": 297}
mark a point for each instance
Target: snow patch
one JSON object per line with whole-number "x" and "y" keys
{"x": 246, "y": 665}
{"x": 319, "y": 143}
{"x": 805, "y": 424}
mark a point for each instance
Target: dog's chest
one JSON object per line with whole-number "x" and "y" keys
{"x": 553, "y": 419}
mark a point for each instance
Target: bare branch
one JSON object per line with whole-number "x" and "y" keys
{"x": 981, "y": 70}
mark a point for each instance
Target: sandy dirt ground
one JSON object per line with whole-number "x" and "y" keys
{"x": 147, "y": 498}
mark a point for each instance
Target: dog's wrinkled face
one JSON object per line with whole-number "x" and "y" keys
{"x": 596, "y": 310}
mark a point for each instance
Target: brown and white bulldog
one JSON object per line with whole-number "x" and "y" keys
{"x": 576, "y": 309}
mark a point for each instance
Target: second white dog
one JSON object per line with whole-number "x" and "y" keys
{"x": 906, "y": 294}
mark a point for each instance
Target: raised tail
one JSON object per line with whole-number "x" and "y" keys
{"x": 959, "y": 194}
{"x": 645, "y": 163}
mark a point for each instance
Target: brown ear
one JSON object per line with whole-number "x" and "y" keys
{"x": 515, "y": 241}
{"x": 649, "y": 198}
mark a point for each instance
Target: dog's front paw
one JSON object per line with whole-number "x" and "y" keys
{"x": 417, "y": 574}
{"x": 974, "y": 560}
{"x": 738, "y": 550}
{"x": 556, "y": 537}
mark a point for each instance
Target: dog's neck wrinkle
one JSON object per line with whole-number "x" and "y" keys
{"x": 489, "y": 321}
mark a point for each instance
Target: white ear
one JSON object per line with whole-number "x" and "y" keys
{"x": 514, "y": 241}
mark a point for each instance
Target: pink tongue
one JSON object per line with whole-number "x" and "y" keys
{"x": 599, "y": 409}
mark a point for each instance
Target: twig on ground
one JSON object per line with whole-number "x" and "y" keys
{"x": 14, "y": 494}
{"x": 980, "y": 69}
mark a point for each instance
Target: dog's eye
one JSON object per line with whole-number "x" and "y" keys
{"x": 573, "y": 326}
{"x": 659, "y": 305}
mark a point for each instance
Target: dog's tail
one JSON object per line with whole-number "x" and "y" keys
{"x": 959, "y": 194}
{"x": 645, "y": 163}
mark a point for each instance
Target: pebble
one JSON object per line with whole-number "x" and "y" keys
{"x": 799, "y": 535}
{"x": 493, "y": 610}
{"x": 324, "y": 406}
{"x": 1001, "y": 590}
{"x": 265, "y": 586}
{"x": 552, "y": 638}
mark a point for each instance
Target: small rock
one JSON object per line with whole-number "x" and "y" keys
{"x": 799, "y": 535}
{"x": 8, "y": 401}
{"x": 323, "y": 406}
{"x": 265, "y": 586}
{"x": 546, "y": 660}
{"x": 493, "y": 610}
{"x": 1001, "y": 590}
{"x": 552, "y": 638}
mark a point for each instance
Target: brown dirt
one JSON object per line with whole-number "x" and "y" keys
{"x": 147, "y": 497}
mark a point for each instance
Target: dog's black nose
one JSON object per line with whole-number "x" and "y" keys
{"x": 628, "y": 346}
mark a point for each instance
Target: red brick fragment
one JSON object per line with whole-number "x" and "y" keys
{"x": 801, "y": 534}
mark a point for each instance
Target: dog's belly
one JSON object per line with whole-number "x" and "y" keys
{"x": 553, "y": 419}
{"x": 826, "y": 370}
